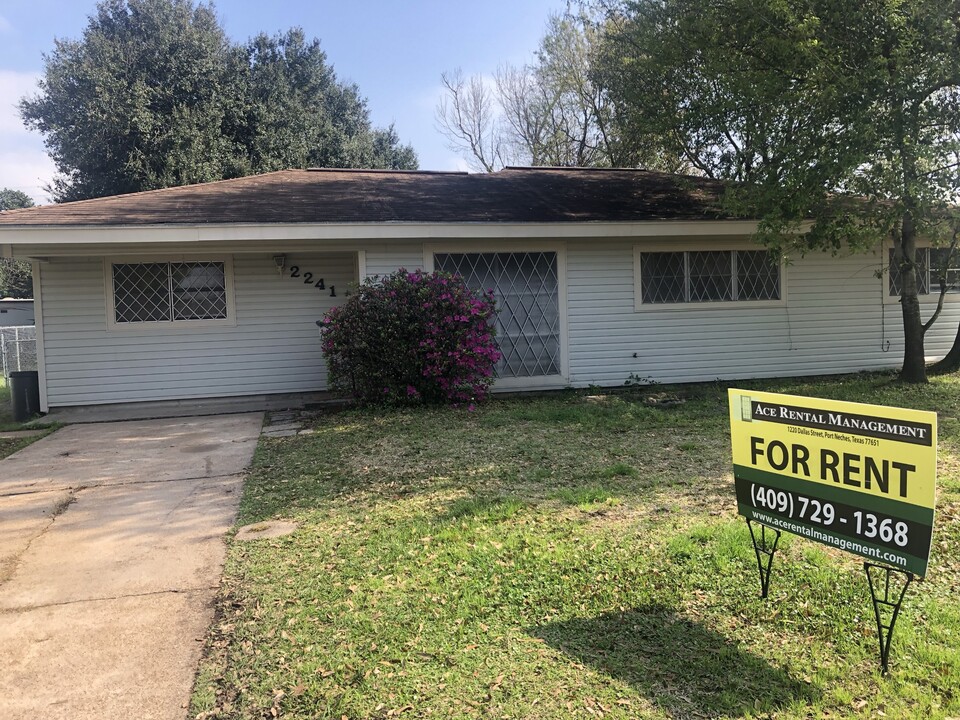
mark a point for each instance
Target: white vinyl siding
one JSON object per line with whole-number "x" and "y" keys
{"x": 832, "y": 321}
{"x": 385, "y": 259}
{"x": 274, "y": 347}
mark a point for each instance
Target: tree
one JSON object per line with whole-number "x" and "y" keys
{"x": 16, "y": 277}
{"x": 297, "y": 114}
{"x": 140, "y": 102}
{"x": 840, "y": 120}
{"x": 551, "y": 112}
{"x": 468, "y": 117}
{"x": 154, "y": 94}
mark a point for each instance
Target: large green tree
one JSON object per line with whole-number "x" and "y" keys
{"x": 297, "y": 114}
{"x": 154, "y": 94}
{"x": 806, "y": 102}
{"x": 141, "y": 101}
{"x": 16, "y": 278}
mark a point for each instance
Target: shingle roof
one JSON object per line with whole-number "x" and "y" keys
{"x": 513, "y": 195}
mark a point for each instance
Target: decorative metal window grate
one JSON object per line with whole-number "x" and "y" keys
{"x": 663, "y": 277}
{"x": 526, "y": 288}
{"x": 165, "y": 292}
{"x": 711, "y": 276}
{"x": 696, "y": 276}
{"x": 930, "y": 263}
{"x": 758, "y": 275}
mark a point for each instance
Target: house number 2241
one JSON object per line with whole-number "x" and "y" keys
{"x": 308, "y": 279}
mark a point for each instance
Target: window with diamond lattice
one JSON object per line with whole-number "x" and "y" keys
{"x": 526, "y": 288}
{"x": 168, "y": 292}
{"x": 931, "y": 262}
{"x": 699, "y": 276}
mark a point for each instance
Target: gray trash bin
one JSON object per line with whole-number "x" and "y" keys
{"x": 25, "y": 394}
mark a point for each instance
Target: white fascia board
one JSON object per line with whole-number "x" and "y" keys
{"x": 124, "y": 234}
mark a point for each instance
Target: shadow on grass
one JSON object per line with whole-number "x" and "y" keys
{"x": 681, "y": 666}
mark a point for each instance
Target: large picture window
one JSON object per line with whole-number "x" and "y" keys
{"x": 155, "y": 292}
{"x": 930, "y": 263}
{"x": 526, "y": 286}
{"x": 704, "y": 276}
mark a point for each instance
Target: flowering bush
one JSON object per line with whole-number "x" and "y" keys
{"x": 412, "y": 337}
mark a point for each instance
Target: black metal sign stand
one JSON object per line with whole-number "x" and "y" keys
{"x": 887, "y": 600}
{"x": 764, "y": 550}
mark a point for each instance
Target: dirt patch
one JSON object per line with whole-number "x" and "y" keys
{"x": 271, "y": 529}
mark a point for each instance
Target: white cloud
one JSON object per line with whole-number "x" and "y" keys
{"x": 27, "y": 170}
{"x": 13, "y": 86}
{"x": 24, "y": 164}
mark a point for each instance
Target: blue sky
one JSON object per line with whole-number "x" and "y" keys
{"x": 393, "y": 50}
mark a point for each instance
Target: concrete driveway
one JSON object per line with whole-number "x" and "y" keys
{"x": 111, "y": 548}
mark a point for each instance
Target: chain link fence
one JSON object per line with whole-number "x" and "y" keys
{"x": 18, "y": 349}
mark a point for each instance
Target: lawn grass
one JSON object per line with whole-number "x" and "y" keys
{"x": 572, "y": 555}
{"x": 8, "y": 446}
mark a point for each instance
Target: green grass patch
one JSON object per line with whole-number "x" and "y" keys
{"x": 8, "y": 446}
{"x": 556, "y": 557}
{"x": 587, "y": 498}
{"x": 6, "y": 409}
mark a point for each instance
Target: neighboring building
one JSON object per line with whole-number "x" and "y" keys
{"x": 15, "y": 313}
{"x": 214, "y": 290}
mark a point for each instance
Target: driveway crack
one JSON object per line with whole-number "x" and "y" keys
{"x": 59, "y": 508}
{"x": 109, "y": 598}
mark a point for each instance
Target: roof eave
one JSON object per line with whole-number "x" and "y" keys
{"x": 132, "y": 234}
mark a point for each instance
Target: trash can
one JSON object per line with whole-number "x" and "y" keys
{"x": 25, "y": 394}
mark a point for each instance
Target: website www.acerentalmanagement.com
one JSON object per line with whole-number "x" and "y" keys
{"x": 837, "y": 542}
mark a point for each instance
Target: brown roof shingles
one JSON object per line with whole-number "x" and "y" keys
{"x": 513, "y": 195}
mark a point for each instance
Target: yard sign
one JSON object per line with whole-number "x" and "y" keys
{"x": 858, "y": 477}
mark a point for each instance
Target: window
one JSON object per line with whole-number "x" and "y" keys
{"x": 526, "y": 287}
{"x": 150, "y": 292}
{"x": 701, "y": 276}
{"x": 930, "y": 263}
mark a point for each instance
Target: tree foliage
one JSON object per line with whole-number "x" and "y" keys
{"x": 154, "y": 94}
{"x": 297, "y": 114}
{"x": 412, "y": 338}
{"x": 16, "y": 278}
{"x": 550, "y": 112}
{"x": 14, "y": 200}
{"x": 805, "y": 102}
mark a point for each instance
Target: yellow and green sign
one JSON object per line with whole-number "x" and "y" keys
{"x": 858, "y": 477}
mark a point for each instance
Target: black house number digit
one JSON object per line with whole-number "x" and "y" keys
{"x": 308, "y": 278}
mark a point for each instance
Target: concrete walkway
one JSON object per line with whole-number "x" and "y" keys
{"x": 110, "y": 555}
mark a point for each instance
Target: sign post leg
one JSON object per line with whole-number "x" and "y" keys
{"x": 764, "y": 550}
{"x": 887, "y": 599}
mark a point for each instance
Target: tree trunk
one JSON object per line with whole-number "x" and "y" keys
{"x": 949, "y": 362}
{"x": 914, "y": 367}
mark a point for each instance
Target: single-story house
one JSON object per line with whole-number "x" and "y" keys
{"x": 214, "y": 290}
{"x": 15, "y": 312}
